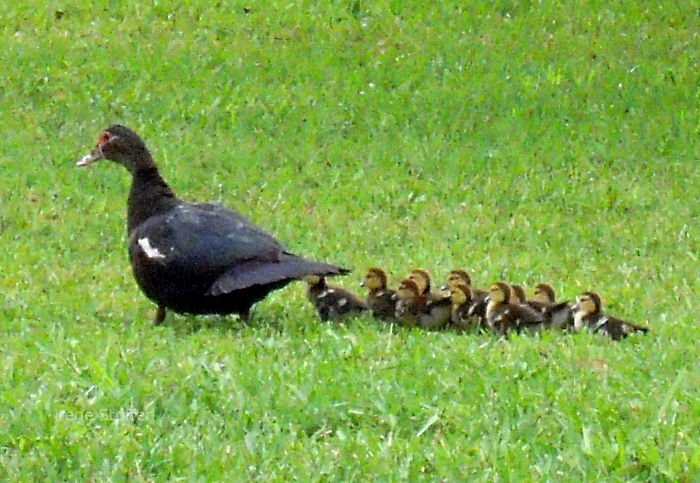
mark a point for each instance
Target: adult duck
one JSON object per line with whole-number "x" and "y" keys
{"x": 196, "y": 258}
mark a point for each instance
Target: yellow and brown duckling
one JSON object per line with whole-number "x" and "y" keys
{"x": 588, "y": 314}
{"x": 380, "y": 299}
{"x": 503, "y": 316}
{"x": 461, "y": 317}
{"x": 332, "y": 303}
{"x": 438, "y": 306}
{"x": 478, "y": 306}
{"x": 557, "y": 315}
{"x": 422, "y": 279}
{"x": 413, "y": 309}
{"x": 518, "y": 295}
{"x": 409, "y": 303}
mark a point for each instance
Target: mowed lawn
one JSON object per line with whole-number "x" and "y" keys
{"x": 518, "y": 141}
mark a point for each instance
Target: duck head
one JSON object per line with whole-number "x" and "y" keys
{"x": 500, "y": 292}
{"x": 313, "y": 280}
{"x": 588, "y": 303}
{"x": 456, "y": 277}
{"x": 460, "y": 294}
{"x": 544, "y": 293}
{"x": 421, "y": 278}
{"x": 122, "y": 145}
{"x": 408, "y": 291}
{"x": 375, "y": 279}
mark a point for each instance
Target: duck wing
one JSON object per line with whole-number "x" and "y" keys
{"x": 211, "y": 242}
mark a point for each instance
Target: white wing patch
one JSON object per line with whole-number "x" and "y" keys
{"x": 150, "y": 251}
{"x": 601, "y": 323}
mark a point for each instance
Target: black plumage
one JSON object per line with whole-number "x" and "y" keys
{"x": 198, "y": 258}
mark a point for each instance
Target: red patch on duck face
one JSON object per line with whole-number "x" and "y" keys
{"x": 104, "y": 137}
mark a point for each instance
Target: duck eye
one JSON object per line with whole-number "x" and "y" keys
{"x": 104, "y": 138}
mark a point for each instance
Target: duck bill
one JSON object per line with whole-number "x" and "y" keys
{"x": 94, "y": 155}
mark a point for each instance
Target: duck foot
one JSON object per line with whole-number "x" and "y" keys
{"x": 160, "y": 315}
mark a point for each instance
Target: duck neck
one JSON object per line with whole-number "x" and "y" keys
{"x": 149, "y": 195}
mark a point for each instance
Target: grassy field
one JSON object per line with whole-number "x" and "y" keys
{"x": 519, "y": 141}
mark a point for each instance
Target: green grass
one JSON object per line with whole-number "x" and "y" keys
{"x": 519, "y": 141}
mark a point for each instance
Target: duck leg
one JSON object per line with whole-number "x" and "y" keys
{"x": 160, "y": 315}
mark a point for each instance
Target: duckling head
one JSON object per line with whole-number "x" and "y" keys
{"x": 456, "y": 277}
{"x": 408, "y": 291}
{"x": 375, "y": 279}
{"x": 421, "y": 278}
{"x": 500, "y": 292}
{"x": 588, "y": 303}
{"x": 518, "y": 295}
{"x": 544, "y": 293}
{"x": 460, "y": 294}
{"x": 313, "y": 280}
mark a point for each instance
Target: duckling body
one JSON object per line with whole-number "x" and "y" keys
{"x": 479, "y": 301}
{"x": 409, "y": 303}
{"x": 461, "y": 317}
{"x": 557, "y": 315}
{"x": 436, "y": 310}
{"x": 332, "y": 303}
{"x": 436, "y": 314}
{"x": 588, "y": 314}
{"x": 503, "y": 316}
{"x": 380, "y": 299}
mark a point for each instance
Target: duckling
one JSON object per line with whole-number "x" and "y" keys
{"x": 331, "y": 303}
{"x": 456, "y": 277}
{"x": 437, "y": 305}
{"x": 477, "y": 308}
{"x": 557, "y": 315}
{"x": 518, "y": 294}
{"x": 422, "y": 279}
{"x": 409, "y": 303}
{"x": 588, "y": 314}
{"x": 502, "y": 315}
{"x": 380, "y": 299}
{"x": 461, "y": 298}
